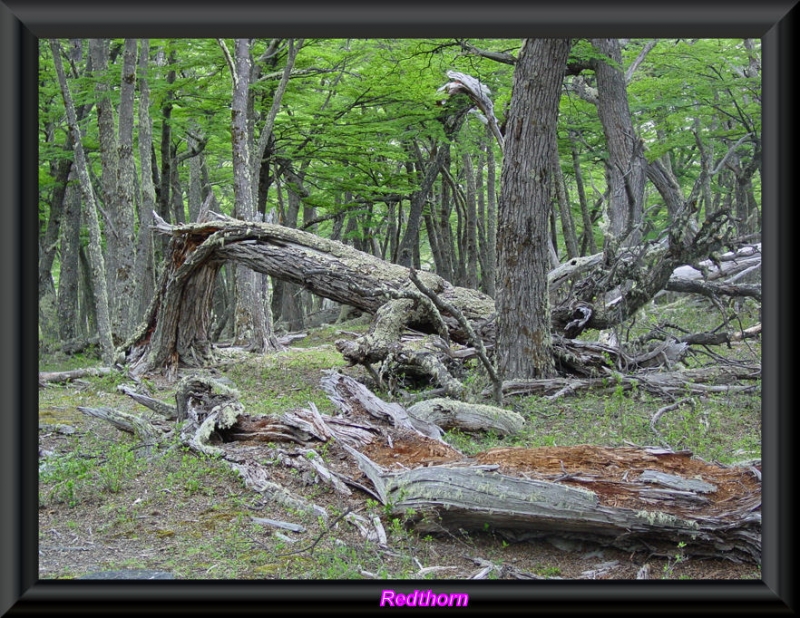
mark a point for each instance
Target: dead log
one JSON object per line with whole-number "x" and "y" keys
{"x": 630, "y": 498}
{"x": 470, "y": 417}
{"x": 636, "y": 506}
{"x": 177, "y": 326}
{"x": 46, "y": 377}
{"x": 176, "y": 329}
{"x": 660, "y": 383}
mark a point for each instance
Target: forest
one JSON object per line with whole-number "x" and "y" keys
{"x": 475, "y": 232}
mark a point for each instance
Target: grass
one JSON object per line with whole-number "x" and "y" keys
{"x": 275, "y": 383}
{"x": 722, "y": 427}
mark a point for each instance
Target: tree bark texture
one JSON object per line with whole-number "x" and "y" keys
{"x": 523, "y": 314}
{"x": 626, "y": 165}
{"x": 324, "y": 267}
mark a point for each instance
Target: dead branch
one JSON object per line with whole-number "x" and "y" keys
{"x": 476, "y": 341}
{"x": 46, "y": 377}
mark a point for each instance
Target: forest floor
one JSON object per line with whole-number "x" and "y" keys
{"x": 103, "y": 506}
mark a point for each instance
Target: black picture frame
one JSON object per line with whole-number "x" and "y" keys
{"x": 23, "y": 22}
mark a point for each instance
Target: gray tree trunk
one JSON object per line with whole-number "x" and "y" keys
{"x": 471, "y": 223}
{"x": 143, "y": 268}
{"x": 69, "y": 275}
{"x": 109, "y": 168}
{"x": 524, "y": 341}
{"x": 48, "y": 243}
{"x": 565, "y": 213}
{"x": 90, "y": 210}
{"x": 490, "y": 273}
{"x": 626, "y": 165}
{"x": 253, "y": 319}
{"x": 587, "y": 242}
{"x": 123, "y": 308}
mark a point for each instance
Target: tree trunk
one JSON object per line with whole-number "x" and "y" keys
{"x": 587, "y": 241}
{"x": 489, "y": 276}
{"x": 253, "y": 316}
{"x": 124, "y": 309}
{"x": 109, "y": 163}
{"x": 626, "y": 165}
{"x": 565, "y": 213}
{"x": 471, "y": 224}
{"x": 90, "y": 210}
{"x": 144, "y": 271}
{"x": 48, "y": 244}
{"x": 69, "y": 275}
{"x": 523, "y": 313}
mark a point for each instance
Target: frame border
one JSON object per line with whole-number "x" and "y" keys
{"x": 23, "y": 23}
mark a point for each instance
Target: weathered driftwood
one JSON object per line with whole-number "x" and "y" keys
{"x": 631, "y": 498}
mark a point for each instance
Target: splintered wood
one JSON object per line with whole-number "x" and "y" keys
{"x": 632, "y": 498}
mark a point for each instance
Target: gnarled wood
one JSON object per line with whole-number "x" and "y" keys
{"x": 176, "y": 331}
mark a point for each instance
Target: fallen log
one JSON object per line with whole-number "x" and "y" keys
{"x": 660, "y": 383}
{"x": 46, "y": 377}
{"x": 624, "y": 497}
{"x": 635, "y": 506}
{"x": 647, "y": 499}
{"x": 470, "y": 417}
{"x": 177, "y": 328}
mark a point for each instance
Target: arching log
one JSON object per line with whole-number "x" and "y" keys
{"x": 175, "y": 332}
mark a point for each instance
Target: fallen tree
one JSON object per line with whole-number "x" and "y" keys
{"x": 176, "y": 329}
{"x": 647, "y": 499}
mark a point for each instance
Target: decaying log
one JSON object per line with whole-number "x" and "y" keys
{"x": 634, "y": 508}
{"x": 659, "y": 383}
{"x": 631, "y": 498}
{"x": 470, "y": 417}
{"x": 625, "y": 497}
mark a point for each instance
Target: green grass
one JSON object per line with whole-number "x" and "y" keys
{"x": 276, "y": 383}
